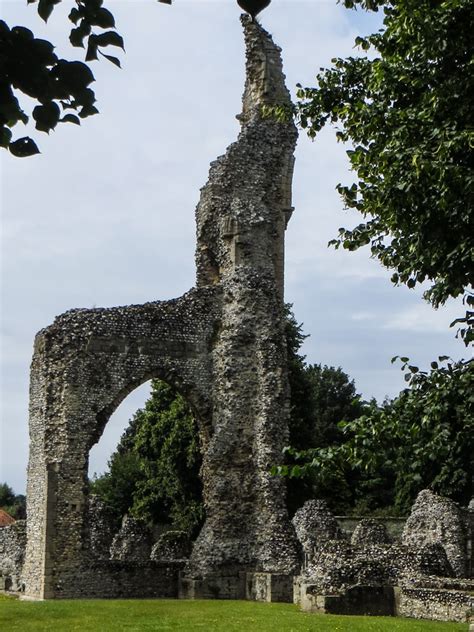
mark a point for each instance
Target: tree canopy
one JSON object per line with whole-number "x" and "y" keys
{"x": 406, "y": 112}
{"x": 61, "y": 88}
{"x": 14, "y": 504}
{"x": 422, "y": 438}
{"x": 154, "y": 473}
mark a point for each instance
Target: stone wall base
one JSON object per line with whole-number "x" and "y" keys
{"x": 269, "y": 587}
{"x": 417, "y": 603}
{"x": 435, "y": 604}
{"x": 213, "y": 586}
{"x": 358, "y": 600}
{"x": 117, "y": 580}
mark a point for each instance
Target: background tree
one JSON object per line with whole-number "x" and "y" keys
{"x": 14, "y": 504}
{"x": 320, "y": 398}
{"x": 407, "y": 113}
{"x": 154, "y": 473}
{"x": 424, "y": 438}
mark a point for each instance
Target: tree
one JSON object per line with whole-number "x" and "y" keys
{"x": 407, "y": 112}
{"x": 14, "y": 504}
{"x": 321, "y": 397}
{"x": 30, "y": 66}
{"x": 7, "y": 495}
{"x": 154, "y": 473}
{"x": 423, "y": 438}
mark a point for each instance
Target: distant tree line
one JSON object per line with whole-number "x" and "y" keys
{"x": 13, "y": 504}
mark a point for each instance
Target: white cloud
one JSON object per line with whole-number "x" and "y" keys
{"x": 422, "y": 318}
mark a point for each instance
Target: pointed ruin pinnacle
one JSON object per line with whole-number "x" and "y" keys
{"x": 265, "y": 81}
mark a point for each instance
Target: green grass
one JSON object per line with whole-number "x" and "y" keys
{"x": 188, "y": 616}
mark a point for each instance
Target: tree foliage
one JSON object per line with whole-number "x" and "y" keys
{"x": 154, "y": 473}
{"x": 13, "y": 504}
{"x": 406, "y": 110}
{"x": 320, "y": 397}
{"x": 61, "y": 88}
{"x": 423, "y": 438}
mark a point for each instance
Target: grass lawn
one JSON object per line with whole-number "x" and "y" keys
{"x": 208, "y": 616}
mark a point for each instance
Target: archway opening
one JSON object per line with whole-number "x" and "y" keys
{"x": 147, "y": 502}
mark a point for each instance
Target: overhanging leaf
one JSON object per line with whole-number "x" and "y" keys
{"x": 114, "y": 60}
{"x": 24, "y": 147}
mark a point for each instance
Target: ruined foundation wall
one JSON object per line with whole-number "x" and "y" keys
{"x": 12, "y": 552}
{"x": 241, "y": 218}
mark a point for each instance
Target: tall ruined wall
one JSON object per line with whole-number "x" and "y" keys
{"x": 241, "y": 219}
{"x": 222, "y": 345}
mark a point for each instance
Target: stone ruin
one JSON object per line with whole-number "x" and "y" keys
{"x": 222, "y": 346}
{"x": 425, "y": 574}
{"x": 366, "y": 571}
{"x": 12, "y": 554}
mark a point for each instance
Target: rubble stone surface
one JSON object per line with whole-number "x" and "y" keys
{"x": 222, "y": 345}
{"x": 370, "y": 531}
{"x": 438, "y": 520}
{"x": 171, "y": 546}
{"x": 132, "y": 543}
{"x": 12, "y": 551}
{"x": 315, "y": 524}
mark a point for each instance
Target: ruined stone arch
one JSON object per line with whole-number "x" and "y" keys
{"x": 222, "y": 344}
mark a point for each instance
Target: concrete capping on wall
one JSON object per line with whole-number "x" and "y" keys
{"x": 393, "y": 525}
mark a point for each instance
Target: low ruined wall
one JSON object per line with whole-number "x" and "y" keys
{"x": 12, "y": 551}
{"x": 111, "y": 579}
{"x": 436, "y": 604}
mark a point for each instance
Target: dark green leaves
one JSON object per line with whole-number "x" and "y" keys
{"x": 45, "y": 8}
{"x": 30, "y": 66}
{"x": 70, "y": 118}
{"x": 46, "y": 116}
{"x": 154, "y": 473}
{"x": 111, "y": 38}
{"x": 23, "y": 147}
{"x": 410, "y": 127}
{"x": 423, "y": 438}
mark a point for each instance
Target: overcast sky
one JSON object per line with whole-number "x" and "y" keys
{"x": 105, "y": 215}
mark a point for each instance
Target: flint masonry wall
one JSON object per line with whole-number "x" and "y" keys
{"x": 222, "y": 345}
{"x": 12, "y": 552}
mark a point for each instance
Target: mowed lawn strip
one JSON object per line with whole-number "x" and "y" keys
{"x": 187, "y": 616}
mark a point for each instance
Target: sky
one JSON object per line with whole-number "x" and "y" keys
{"x": 104, "y": 215}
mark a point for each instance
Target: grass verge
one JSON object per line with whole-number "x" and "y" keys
{"x": 189, "y": 616}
